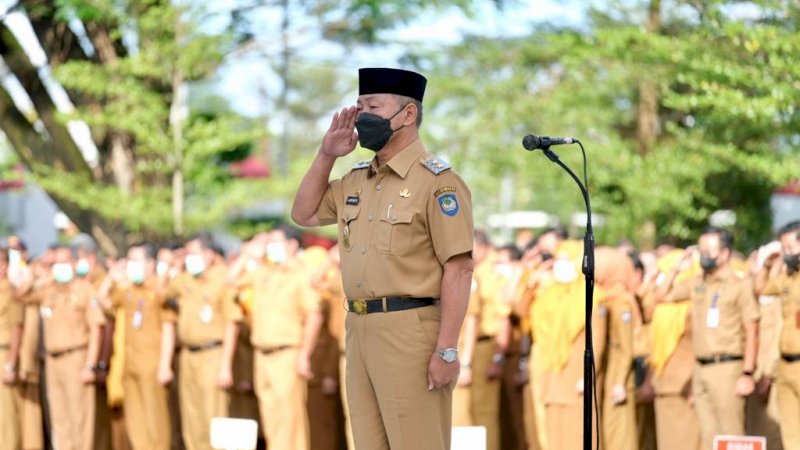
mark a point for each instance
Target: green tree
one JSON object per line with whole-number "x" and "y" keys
{"x": 692, "y": 113}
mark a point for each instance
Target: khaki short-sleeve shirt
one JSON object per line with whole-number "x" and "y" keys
{"x": 398, "y": 224}
{"x": 732, "y": 297}
{"x": 10, "y": 312}
{"x": 787, "y": 287}
{"x": 282, "y": 299}
{"x": 145, "y": 312}
{"x": 69, "y": 311}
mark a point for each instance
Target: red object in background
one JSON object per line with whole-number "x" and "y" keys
{"x": 311, "y": 240}
{"x": 250, "y": 167}
{"x": 793, "y": 188}
{"x": 740, "y": 443}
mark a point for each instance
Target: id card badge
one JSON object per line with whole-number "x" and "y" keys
{"x": 712, "y": 317}
{"x": 46, "y": 312}
{"x": 137, "y": 320}
{"x": 206, "y": 314}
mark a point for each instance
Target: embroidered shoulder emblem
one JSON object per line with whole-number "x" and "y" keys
{"x": 361, "y": 165}
{"x": 434, "y": 164}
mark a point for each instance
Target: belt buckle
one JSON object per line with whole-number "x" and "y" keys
{"x": 360, "y": 306}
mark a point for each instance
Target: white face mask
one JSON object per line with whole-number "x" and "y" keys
{"x": 135, "y": 271}
{"x": 82, "y": 267}
{"x": 565, "y": 271}
{"x": 62, "y": 272}
{"x": 251, "y": 265}
{"x": 162, "y": 268}
{"x": 276, "y": 252}
{"x": 195, "y": 265}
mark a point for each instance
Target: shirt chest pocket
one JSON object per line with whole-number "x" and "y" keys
{"x": 395, "y": 232}
{"x": 347, "y": 225}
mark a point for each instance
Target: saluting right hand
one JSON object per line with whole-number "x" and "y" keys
{"x": 340, "y": 139}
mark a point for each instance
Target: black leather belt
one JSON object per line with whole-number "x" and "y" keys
{"x": 58, "y": 353}
{"x": 387, "y": 304}
{"x": 269, "y": 350}
{"x": 201, "y": 347}
{"x": 790, "y": 358}
{"x": 719, "y": 359}
{"x": 485, "y": 338}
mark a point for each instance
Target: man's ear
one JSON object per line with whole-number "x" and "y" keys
{"x": 411, "y": 114}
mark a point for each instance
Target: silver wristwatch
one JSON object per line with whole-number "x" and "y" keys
{"x": 449, "y": 355}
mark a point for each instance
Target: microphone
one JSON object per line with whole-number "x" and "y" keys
{"x": 532, "y": 142}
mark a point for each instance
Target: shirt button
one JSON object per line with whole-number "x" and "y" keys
{"x": 358, "y": 284}
{"x": 370, "y": 218}
{"x": 378, "y": 187}
{"x": 363, "y": 250}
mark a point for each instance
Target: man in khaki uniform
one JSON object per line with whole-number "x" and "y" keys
{"x": 725, "y": 317}
{"x": 149, "y": 343}
{"x": 10, "y": 337}
{"x": 207, "y": 328}
{"x": 73, "y": 324}
{"x": 286, "y": 321}
{"x": 785, "y": 283}
{"x": 614, "y": 273}
{"x": 672, "y": 363}
{"x": 405, "y": 233}
{"x": 476, "y": 399}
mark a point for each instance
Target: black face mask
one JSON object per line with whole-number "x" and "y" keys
{"x": 708, "y": 263}
{"x": 792, "y": 262}
{"x": 546, "y": 256}
{"x": 374, "y": 131}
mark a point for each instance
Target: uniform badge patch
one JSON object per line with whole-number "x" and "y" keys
{"x": 448, "y": 204}
{"x": 444, "y": 189}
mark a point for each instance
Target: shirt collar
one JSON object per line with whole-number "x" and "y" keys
{"x": 401, "y": 163}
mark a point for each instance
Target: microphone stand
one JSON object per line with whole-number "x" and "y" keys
{"x": 588, "y": 273}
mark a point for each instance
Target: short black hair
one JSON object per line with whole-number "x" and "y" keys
{"x": 725, "y": 236}
{"x": 558, "y": 230}
{"x": 481, "y": 237}
{"x": 291, "y": 233}
{"x": 512, "y": 250}
{"x": 638, "y": 265}
{"x": 791, "y": 227}
{"x": 205, "y": 239}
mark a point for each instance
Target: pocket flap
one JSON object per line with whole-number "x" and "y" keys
{"x": 350, "y": 212}
{"x": 398, "y": 217}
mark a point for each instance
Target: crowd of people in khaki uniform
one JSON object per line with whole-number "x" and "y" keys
{"x": 143, "y": 351}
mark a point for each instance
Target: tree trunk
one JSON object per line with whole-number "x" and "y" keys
{"x": 647, "y": 114}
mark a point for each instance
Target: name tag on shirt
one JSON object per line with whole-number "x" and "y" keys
{"x": 712, "y": 318}
{"x": 352, "y": 200}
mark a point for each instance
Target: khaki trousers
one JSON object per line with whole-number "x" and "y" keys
{"x": 719, "y": 409}
{"x": 146, "y": 412}
{"x": 348, "y": 430}
{"x": 72, "y": 403}
{"x": 676, "y": 423}
{"x": 619, "y": 423}
{"x": 538, "y": 407}
{"x": 282, "y": 400}
{"x": 565, "y": 427}
{"x": 763, "y": 419}
{"x": 30, "y": 413}
{"x": 10, "y": 436}
{"x": 788, "y": 391}
{"x": 387, "y": 381}
{"x": 479, "y": 403}
{"x": 200, "y": 398}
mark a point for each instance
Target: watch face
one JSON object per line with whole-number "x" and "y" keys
{"x": 449, "y": 355}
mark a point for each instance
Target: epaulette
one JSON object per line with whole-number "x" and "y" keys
{"x": 362, "y": 165}
{"x": 434, "y": 164}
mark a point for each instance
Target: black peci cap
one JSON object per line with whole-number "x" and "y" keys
{"x": 391, "y": 81}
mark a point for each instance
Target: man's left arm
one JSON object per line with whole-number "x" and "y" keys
{"x": 750, "y": 318}
{"x": 456, "y": 282}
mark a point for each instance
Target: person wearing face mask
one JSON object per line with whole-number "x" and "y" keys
{"x": 557, "y": 316}
{"x": 73, "y": 322}
{"x": 149, "y": 340}
{"x": 724, "y": 326}
{"x": 207, "y": 320}
{"x": 780, "y": 277}
{"x": 286, "y": 321}
{"x": 405, "y": 233}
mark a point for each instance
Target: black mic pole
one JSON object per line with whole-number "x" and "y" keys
{"x": 588, "y": 273}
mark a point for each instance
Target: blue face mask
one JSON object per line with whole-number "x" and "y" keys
{"x": 82, "y": 267}
{"x": 195, "y": 265}
{"x": 135, "y": 271}
{"x": 62, "y": 272}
